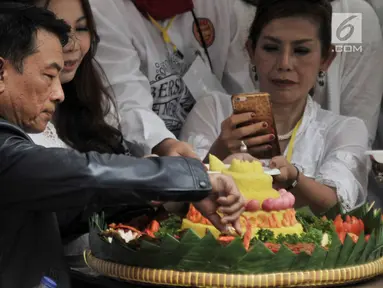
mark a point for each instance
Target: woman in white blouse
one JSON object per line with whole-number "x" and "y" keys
{"x": 290, "y": 44}
{"x": 353, "y": 85}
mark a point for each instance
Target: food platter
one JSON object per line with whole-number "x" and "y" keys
{"x": 279, "y": 246}
{"x": 170, "y": 278}
{"x": 192, "y": 261}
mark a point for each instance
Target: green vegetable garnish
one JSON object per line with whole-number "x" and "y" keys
{"x": 312, "y": 236}
{"x": 265, "y": 235}
{"x": 169, "y": 226}
{"x": 310, "y": 221}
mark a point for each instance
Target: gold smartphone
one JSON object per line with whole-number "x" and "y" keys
{"x": 260, "y": 105}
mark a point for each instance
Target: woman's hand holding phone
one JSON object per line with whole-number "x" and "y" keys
{"x": 240, "y": 127}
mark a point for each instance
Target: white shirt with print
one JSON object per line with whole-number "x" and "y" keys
{"x": 145, "y": 74}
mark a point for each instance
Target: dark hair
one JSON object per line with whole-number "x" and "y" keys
{"x": 19, "y": 24}
{"x": 318, "y": 10}
{"x": 80, "y": 119}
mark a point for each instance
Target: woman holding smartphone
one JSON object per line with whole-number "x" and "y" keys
{"x": 322, "y": 161}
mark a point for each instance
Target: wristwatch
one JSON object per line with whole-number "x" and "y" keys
{"x": 294, "y": 183}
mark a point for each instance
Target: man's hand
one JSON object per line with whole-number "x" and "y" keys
{"x": 224, "y": 198}
{"x": 172, "y": 147}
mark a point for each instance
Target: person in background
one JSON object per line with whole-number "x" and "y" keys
{"x": 378, "y": 7}
{"x": 38, "y": 181}
{"x": 353, "y": 84}
{"x": 87, "y": 103}
{"x": 375, "y": 184}
{"x": 87, "y": 120}
{"x": 147, "y": 49}
{"x": 323, "y": 162}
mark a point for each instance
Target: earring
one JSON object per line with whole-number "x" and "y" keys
{"x": 321, "y": 77}
{"x": 254, "y": 69}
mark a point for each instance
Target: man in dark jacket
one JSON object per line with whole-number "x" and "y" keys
{"x": 36, "y": 181}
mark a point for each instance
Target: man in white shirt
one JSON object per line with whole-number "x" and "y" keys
{"x": 148, "y": 46}
{"x": 378, "y": 7}
{"x": 375, "y": 188}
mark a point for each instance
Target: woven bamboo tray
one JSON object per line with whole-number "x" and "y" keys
{"x": 322, "y": 278}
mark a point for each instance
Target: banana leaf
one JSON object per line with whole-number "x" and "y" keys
{"x": 301, "y": 261}
{"x": 358, "y": 249}
{"x": 379, "y": 235}
{"x": 375, "y": 254}
{"x": 282, "y": 261}
{"x": 372, "y": 220}
{"x": 228, "y": 256}
{"x": 371, "y": 244}
{"x": 149, "y": 247}
{"x": 305, "y": 211}
{"x": 333, "y": 252}
{"x": 317, "y": 259}
{"x": 188, "y": 242}
{"x": 361, "y": 211}
{"x": 255, "y": 261}
{"x": 147, "y": 255}
{"x": 168, "y": 248}
{"x": 377, "y": 251}
{"x": 114, "y": 252}
{"x": 200, "y": 256}
{"x": 98, "y": 221}
{"x": 334, "y": 211}
{"x": 345, "y": 251}
{"x": 151, "y": 256}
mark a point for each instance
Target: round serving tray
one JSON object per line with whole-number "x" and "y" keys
{"x": 322, "y": 278}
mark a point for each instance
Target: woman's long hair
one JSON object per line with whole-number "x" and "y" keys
{"x": 80, "y": 119}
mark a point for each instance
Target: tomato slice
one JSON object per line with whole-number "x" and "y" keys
{"x": 338, "y": 218}
{"x": 351, "y": 225}
{"x": 338, "y": 223}
{"x": 346, "y": 227}
{"x": 355, "y": 227}
{"x": 353, "y": 237}
{"x": 342, "y": 236}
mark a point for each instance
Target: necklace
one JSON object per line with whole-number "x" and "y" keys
{"x": 285, "y": 136}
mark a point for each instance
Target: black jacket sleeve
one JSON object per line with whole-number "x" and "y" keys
{"x": 33, "y": 177}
